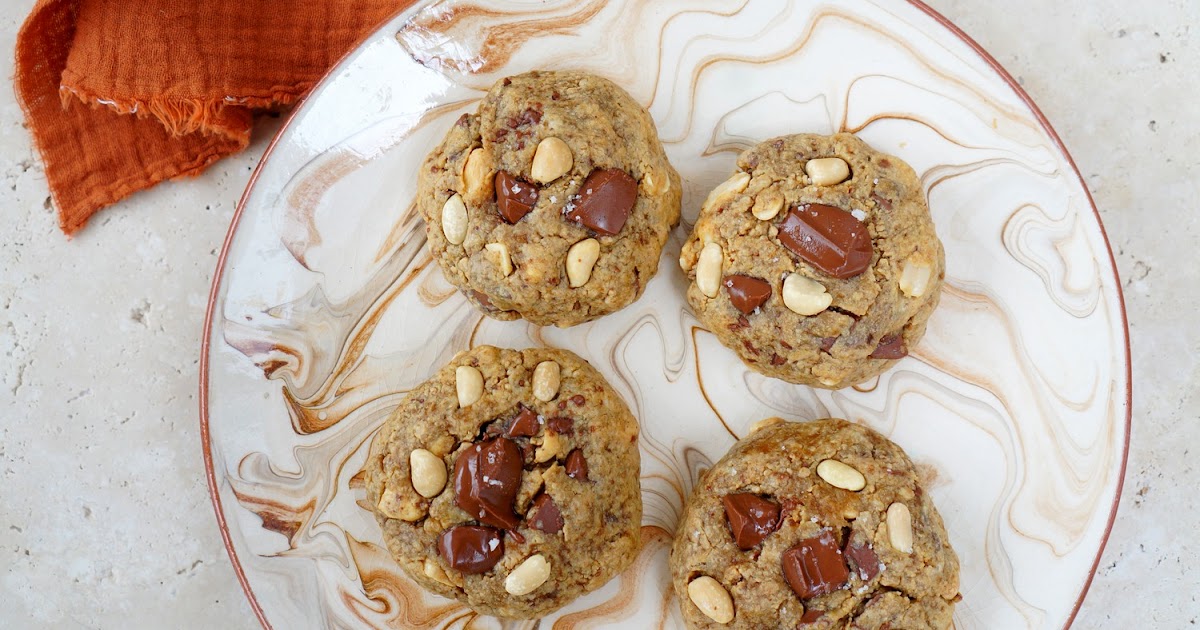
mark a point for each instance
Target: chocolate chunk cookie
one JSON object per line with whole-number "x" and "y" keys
{"x": 813, "y": 525}
{"x": 817, "y": 261}
{"x": 509, "y": 481}
{"x": 553, "y": 202}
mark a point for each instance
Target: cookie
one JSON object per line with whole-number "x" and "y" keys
{"x": 817, "y": 261}
{"x": 552, "y": 202}
{"x": 813, "y": 525}
{"x": 509, "y": 481}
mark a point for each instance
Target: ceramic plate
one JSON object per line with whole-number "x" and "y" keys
{"x": 326, "y": 306}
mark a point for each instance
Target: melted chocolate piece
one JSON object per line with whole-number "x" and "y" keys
{"x": 561, "y": 425}
{"x": 890, "y": 347}
{"x": 828, "y": 238}
{"x": 524, "y": 424}
{"x": 751, "y": 518}
{"x": 815, "y": 566}
{"x": 827, "y": 343}
{"x": 471, "y": 549}
{"x": 747, "y": 293}
{"x": 862, "y": 557}
{"x": 604, "y": 201}
{"x": 514, "y": 197}
{"x": 810, "y": 616}
{"x": 546, "y": 516}
{"x": 577, "y": 467}
{"x": 487, "y": 476}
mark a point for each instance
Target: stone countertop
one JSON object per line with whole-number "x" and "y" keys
{"x": 105, "y": 519}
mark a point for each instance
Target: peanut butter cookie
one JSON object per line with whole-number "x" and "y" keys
{"x": 553, "y": 202}
{"x": 509, "y": 481}
{"x": 817, "y": 261}
{"x": 813, "y": 525}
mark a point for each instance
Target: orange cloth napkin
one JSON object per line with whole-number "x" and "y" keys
{"x": 121, "y": 95}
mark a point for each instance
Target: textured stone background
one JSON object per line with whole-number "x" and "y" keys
{"x": 104, "y": 515}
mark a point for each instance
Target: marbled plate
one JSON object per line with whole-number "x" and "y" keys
{"x": 326, "y": 307}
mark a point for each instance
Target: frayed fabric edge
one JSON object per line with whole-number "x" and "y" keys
{"x": 229, "y": 118}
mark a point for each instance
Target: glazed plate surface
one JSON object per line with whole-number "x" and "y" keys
{"x": 327, "y": 308}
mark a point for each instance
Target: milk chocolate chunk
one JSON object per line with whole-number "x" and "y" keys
{"x": 828, "y": 238}
{"x": 890, "y": 347}
{"x": 862, "y": 558}
{"x": 545, "y": 515}
{"x": 751, "y": 518}
{"x": 604, "y": 201}
{"x": 471, "y": 549}
{"x": 561, "y": 425}
{"x": 524, "y": 424}
{"x": 815, "y": 566}
{"x": 577, "y": 467}
{"x": 747, "y": 293}
{"x": 487, "y": 476}
{"x": 514, "y": 197}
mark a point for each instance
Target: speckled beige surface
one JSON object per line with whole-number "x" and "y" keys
{"x": 104, "y": 516}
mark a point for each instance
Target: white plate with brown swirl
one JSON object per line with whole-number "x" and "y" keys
{"x": 326, "y": 307}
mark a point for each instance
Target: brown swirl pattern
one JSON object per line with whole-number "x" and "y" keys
{"x": 331, "y": 310}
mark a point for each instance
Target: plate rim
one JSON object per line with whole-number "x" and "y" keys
{"x": 411, "y": 7}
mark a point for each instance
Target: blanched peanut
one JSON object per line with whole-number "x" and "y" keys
{"x": 427, "y": 471}
{"x": 392, "y": 505}
{"x": 708, "y": 270}
{"x": 546, "y": 378}
{"x": 767, "y": 205}
{"x": 551, "y": 160}
{"x": 840, "y": 475}
{"x": 656, "y": 183}
{"x": 454, "y": 220}
{"x": 552, "y": 446}
{"x": 914, "y": 279}
{"x": 477, "y": 173}
{"x": 528, "y": 575}
{"x": 827, "y": 171}
{"x": 711, "y": 598}
{"x": 469, "y": 383}
{"x": 728, "y": 188}
{"x": 804, "y": 296}
{"x": 581, "y": 259}
{"x": 899, "y": 524}
{"x": 499, "y": 252}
